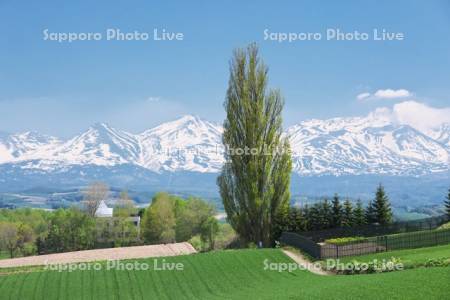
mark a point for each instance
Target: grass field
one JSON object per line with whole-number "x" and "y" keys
{"x": 408, "y": 256}
{"x": 4, "y": 254}
{"x": 235, "y": 274}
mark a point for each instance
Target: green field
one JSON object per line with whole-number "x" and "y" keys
{"x": 235, "y": 274}
{"x": 4, "y": 254}
{"x": 407, "y": 256}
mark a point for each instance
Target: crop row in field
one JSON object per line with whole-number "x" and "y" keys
{"x": 235, "y": 274}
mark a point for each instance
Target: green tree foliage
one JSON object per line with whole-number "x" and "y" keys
{"x": 37, "y": 219}
{"x": 254, "y": 182}
{"x": 282, "y": 221}
{"x": 447, "y": 204}
{"x": 9, "y": 237}
{"x": 297, "y": 219}
{"x": 17, "y": 238}
{"x": 125, "y": 233}
{"x": 170, "y": 219}
{"x": 327, "y": 212}
{"x": 337, "y": 217}
{"x": 208, "y": 232}
{"x": 370, "y": 213}
{"x": 320, "y": 215}
{"x": 196, "y": 217}
{"x": 158, "y": 224}
{"x": 225, "y": 236}
{"x": 70, "y": 230}
{"x": 382, "y": 207}
{"x": 125, "y": 206}
{"x": 315, "y": 217}
{"x": 348, "y": 214}
{"x": 25, "y": 242}
{"x": 359, "y": 217}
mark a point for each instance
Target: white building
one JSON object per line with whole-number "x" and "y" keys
{"x": 103, "y": 211}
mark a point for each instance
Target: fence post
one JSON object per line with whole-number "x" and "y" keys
{"x": 337, "y": 251}
{"x": 385, "y": 243}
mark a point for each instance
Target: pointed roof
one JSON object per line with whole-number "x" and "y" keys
{"x": 103, "y": 210}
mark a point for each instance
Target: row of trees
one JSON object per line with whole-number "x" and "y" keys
{"x": 16, "y": 237}
{"x": 19, "y": 230}
{"x": 167, "y": 219}
{"x": 172, "y": 219}
{"x": 77, "y": 228}
{"x": 332, "y": 214}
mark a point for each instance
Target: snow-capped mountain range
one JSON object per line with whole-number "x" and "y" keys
{"x": 339, "y": 146}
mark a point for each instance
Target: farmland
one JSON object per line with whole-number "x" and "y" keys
{"x": 234, "y": 274}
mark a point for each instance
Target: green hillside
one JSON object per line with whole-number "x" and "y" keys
{"x": 416, "y": 256}
{"x": 235, "y": 274}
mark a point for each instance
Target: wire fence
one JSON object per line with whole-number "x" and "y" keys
{"x": 375, "y": 229}
{"x": 409, "y": 240}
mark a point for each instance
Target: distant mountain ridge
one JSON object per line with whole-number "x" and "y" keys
{"x": 339, "y": 146}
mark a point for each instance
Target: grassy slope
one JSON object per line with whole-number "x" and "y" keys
{"x": 4, "y": 255}
{"x": 225, "y": 275}
{"x": 419, "y": 255}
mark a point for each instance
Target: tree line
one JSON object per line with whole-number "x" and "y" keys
{"x": 335, "y": 213}
{"x": 172, "y": 219}
{"x": 167, "y": 219}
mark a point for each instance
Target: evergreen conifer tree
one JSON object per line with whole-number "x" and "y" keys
{"x": 337, "y": 212}
{"x": 327, "y": 212}
{"x": 359, "y": 218}
{"x": 306, "y": 217}
{"x": 382, "y": 207}
{"x": 370, "y": 213}
{"x": 348, "y": 218}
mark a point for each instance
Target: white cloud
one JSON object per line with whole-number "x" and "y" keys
{"x": 420, "y": 115}
{"x": 363, "y": 96}
{"x": 384, "y": 94}
{"x": 392, "y": 94}
{"x": 415, "y": 114}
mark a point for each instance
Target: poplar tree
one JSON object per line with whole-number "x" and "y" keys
{"x": 254, "y": 181}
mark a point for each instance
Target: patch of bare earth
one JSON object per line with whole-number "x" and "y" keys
{"x": 101, "y": 254}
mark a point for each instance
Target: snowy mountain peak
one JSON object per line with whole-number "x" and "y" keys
{"x": 357, "y": 145}
{"x": 442, "y": 134}
{"x": 188, "y": 143}
{"x": 188, "y": 124}
{"x": 101, "y": 126}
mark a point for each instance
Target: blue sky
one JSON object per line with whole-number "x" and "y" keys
{"x": 62, "y": 88}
